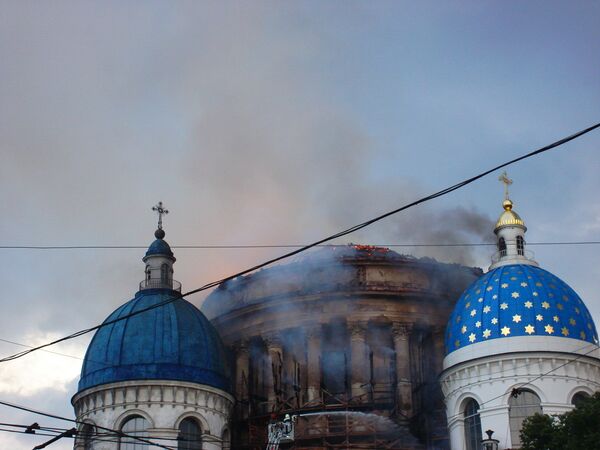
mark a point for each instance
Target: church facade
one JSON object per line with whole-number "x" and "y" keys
{"x": 360, "y": 346}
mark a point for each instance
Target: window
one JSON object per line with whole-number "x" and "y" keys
{"x": 579, "y": 397}
{"x": 520, "y": 245}
{"x": 190, "y": 435}
{"x": 472, "y": 425}
{"x": 86, "y": 436}
{"x": 147, "y": 273}
{"x": 164, "y": 274}
{"x": 502, "y": 246}
{"x": 521, "y": 406}
{"x": 133, "y": 426}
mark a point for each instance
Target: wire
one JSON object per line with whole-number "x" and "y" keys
{"x": 317, "y": 243}
{"x": 54, "y": 416}
{"x": 258, "y": 246}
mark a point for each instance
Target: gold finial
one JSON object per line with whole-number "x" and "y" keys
{"x": 507, "y": 204}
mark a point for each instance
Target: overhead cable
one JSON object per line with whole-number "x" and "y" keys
{"x": 317, "y": 243}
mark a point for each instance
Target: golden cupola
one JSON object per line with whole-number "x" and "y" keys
{"x": 509, "y": 218}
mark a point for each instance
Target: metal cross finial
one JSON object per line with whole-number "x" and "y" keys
{"x": 160, "y": 210}
{"x": 507, "y": 182}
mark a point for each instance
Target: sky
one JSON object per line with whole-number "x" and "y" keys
{"x": 271, "y": 122}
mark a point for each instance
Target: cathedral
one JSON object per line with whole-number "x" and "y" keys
{"x": 347, "y": 347}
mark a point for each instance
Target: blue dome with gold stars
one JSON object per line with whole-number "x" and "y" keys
{"x": 518, "y": 300}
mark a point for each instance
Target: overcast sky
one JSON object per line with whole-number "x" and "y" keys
{"x": 274, "y": 123}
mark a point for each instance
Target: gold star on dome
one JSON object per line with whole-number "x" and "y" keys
{"x": 559, "y": 306}
{"x": 489, "y": 288}
{"x": 504, "y": 285}
{"x": 473, "y": 312}
{"x": 513, "y": 278}
{"x": 555, "y": 318}
{"x": 457, "y": 343}
{"x": 494, "y": 297}
{"x": 505, "y": 331}
{"x": 529, "y": 329}
{"x": 564, "y": 331}
{"x": 503, "y": 305}
{"x": 545, "y": 305}
{"x": 572, "y": 321}
{"x": 486, "y": 309}
{"x": 515, "y": 295}
{"x": 467, "y": 305}
{"x": 538, "y": 284}
{"x": 478, "y": 324}
{"x": 549, "y": 329}
{"x": 535, "y": 294}
{"x": 494, "y": 320}
{"x": 528, "y": 304}
{"x": 458, "y": 318}
{"x": 480, "y": 299}
{"x": 539, "y": 317}
{"x": 463, "y": 330}
{"x": 589, "y": 325}
{"x": 523, "y": 284}
{"x": 577, "y": 310}
{"x": 478, "y": 291}
{"x": 472, "y": 337}
{"x": 582, "y": 335}
{"x": 516, "y": 318}
{"x": 565, "y": 298}
{"x": 486, "y": 333}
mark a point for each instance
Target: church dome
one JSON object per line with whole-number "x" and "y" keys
{"x": 159, "y": 247}
{"x": 509, "y": 217}
{"x": 518, "y": 300}
{"x": 171, "y": 342}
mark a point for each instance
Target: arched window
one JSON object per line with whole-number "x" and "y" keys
{"x": 472, "y": 425}
{"x": 226, "y": 440}
{"x": 520, "y": 245}
{"x": 520, "y": 406}
{"x": 86, "y": 436}
{"x": 133, "y": 426}
{"x": 164, "y": 274}
{"x": 190, "y": 435}
{"x": 502, "y": 246}
{"x": 579, "y": 397}
{"x": 148, "y": 273}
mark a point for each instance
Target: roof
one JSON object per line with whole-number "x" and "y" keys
{"x": 159, "y": 247}
{"x": 170, "y": 342}
{"x": 518, "y": 300}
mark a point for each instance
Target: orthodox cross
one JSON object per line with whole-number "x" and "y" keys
{"x": 160, "y": 210}
{"x": 507, "y": 182}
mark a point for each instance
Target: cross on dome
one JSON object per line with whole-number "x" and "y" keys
{"x": 160, "y": 210}
{"x": 507, "y": 182}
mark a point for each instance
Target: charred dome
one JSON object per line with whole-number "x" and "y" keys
{"x": 343, "y": 328}
{"x": 339, "y": 270}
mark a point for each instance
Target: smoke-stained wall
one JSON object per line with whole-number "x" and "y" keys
{"x": 344, "y": 328}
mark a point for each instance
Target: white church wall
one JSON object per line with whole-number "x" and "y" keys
{"x": 164, "y": 404}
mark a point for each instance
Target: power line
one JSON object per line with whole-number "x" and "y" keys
{"x": 78, "y": 422}
{"x": 319, "y": 242}
{"x": 260, "y": 246}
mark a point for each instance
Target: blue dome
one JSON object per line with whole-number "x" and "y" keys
{"x": 518, "y": 300}
{"x": 170, "y": 342}
{"x": 159, "y": 247}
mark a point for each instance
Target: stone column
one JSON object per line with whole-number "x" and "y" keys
{"x": 438, "y": 348}
{"x": 359, "y": 361}
{"x": 274, "y": 372}
{"x": 242, "y": 366}
{"x": 313, "y": 337}
{"x": 401, "y": 333}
